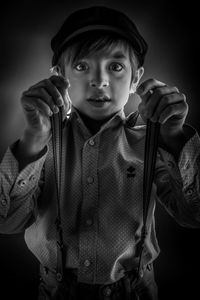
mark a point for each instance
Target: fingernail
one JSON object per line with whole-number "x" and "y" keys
{"x": 60, "y": 102}
{"x": 139, "y": 89}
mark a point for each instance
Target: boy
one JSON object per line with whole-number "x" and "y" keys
{"x": 92, "y": 250}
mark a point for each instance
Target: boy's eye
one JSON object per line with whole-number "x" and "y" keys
{"x": 116, "y": 67}
{"x": 81, "y": 67}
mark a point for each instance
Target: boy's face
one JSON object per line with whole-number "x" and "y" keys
{"x": 100, "y": 84}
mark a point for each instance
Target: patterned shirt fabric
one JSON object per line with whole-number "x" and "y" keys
{"x": 101, "y": 204}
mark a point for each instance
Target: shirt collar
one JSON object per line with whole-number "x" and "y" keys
{"x": 118, "y": 117}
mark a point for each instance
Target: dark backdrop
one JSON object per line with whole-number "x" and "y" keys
{"x": 171, "y": 29}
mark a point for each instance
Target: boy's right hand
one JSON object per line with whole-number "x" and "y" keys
{"x": 40, "y": 101}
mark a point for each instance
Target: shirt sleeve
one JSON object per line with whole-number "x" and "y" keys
{"x": 178, "y": 183}
{"x": 19, "y": 192}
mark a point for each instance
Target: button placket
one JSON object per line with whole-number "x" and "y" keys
{"x": 87, "y": 240}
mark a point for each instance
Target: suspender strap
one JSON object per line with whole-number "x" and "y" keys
{"x": 151, "y": 145}
{"x": 57, "y": 147}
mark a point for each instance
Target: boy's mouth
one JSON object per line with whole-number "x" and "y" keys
{"x": 99, "y": 99}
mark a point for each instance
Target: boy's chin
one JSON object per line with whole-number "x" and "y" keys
{"x": 98, "y": 116}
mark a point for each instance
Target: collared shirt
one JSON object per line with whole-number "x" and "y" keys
{"x": 101, "y": 207}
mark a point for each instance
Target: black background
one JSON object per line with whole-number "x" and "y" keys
{"x": 171, "y": 29}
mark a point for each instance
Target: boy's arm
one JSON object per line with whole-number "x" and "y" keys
{"x": 178, "y": 181}
{"x": 19, "y": 191}
{"x": 20, "y": 170}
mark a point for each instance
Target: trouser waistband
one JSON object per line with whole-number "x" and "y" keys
{"x": 52, "y": 288}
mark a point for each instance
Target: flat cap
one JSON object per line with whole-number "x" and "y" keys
{"x": 98, "y": 18}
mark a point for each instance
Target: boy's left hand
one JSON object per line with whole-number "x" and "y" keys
{"x": 164, "y": 104}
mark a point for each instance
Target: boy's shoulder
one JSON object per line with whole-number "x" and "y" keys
{"x": 134, "y": 126}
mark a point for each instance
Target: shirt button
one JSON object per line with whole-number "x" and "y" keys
{"x": 21, "y": 182}
{"x": 90, "y": 179}
{"x": 107, "y": 291}
{"x": 86, "y": 263}
{"x": 3, "y": 202}
{"x": 170, "y": 164}
{"x": 89, "y": 222}
{"x": 91, "y": 142}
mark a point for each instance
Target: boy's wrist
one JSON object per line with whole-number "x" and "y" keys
{"x": 30, "y": 148}
{"x": 33, "y": 144}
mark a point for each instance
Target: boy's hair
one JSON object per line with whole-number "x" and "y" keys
{"x": 93, "y": 42}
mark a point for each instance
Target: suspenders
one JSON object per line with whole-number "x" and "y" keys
{"x": 58, "y": 151}
{"x": 151, "y": 144}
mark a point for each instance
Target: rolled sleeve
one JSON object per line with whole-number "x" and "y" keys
{"x": 28, "y": 178}
{"x": 19, "y": 191}
{"x": 179, "y": 182}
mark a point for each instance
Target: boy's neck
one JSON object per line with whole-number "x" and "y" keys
{"x": 92, "y": 124}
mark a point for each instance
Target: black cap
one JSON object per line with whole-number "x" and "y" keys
{"x": 98, "y": 18}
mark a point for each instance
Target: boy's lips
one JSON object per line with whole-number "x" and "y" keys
{"x": 98, "y": 101}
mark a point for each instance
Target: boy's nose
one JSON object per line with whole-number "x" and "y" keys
{"x": 99, "y": 78}
{"x": 99, "y": 83}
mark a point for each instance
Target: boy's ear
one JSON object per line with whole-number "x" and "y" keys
{"x": 138, "y": 75}
{"x": 56, "y": 70}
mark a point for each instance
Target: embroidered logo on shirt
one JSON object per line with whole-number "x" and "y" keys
{"x": 130, "y": 172}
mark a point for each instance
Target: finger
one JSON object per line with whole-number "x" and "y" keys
{"x": 35, "y": 105}
{"x": 166, "y": 100}
{"x": 178, "y": 111}
{"x": 44, "y": 95}
{"x": 157, "y": 94}
{"x": 55, "y": 93}
{"x": 59, "y": 81}
{"x": 52, "y": 90}
{"x": 147, "y": 85}
{"x": 63, "y": 88}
